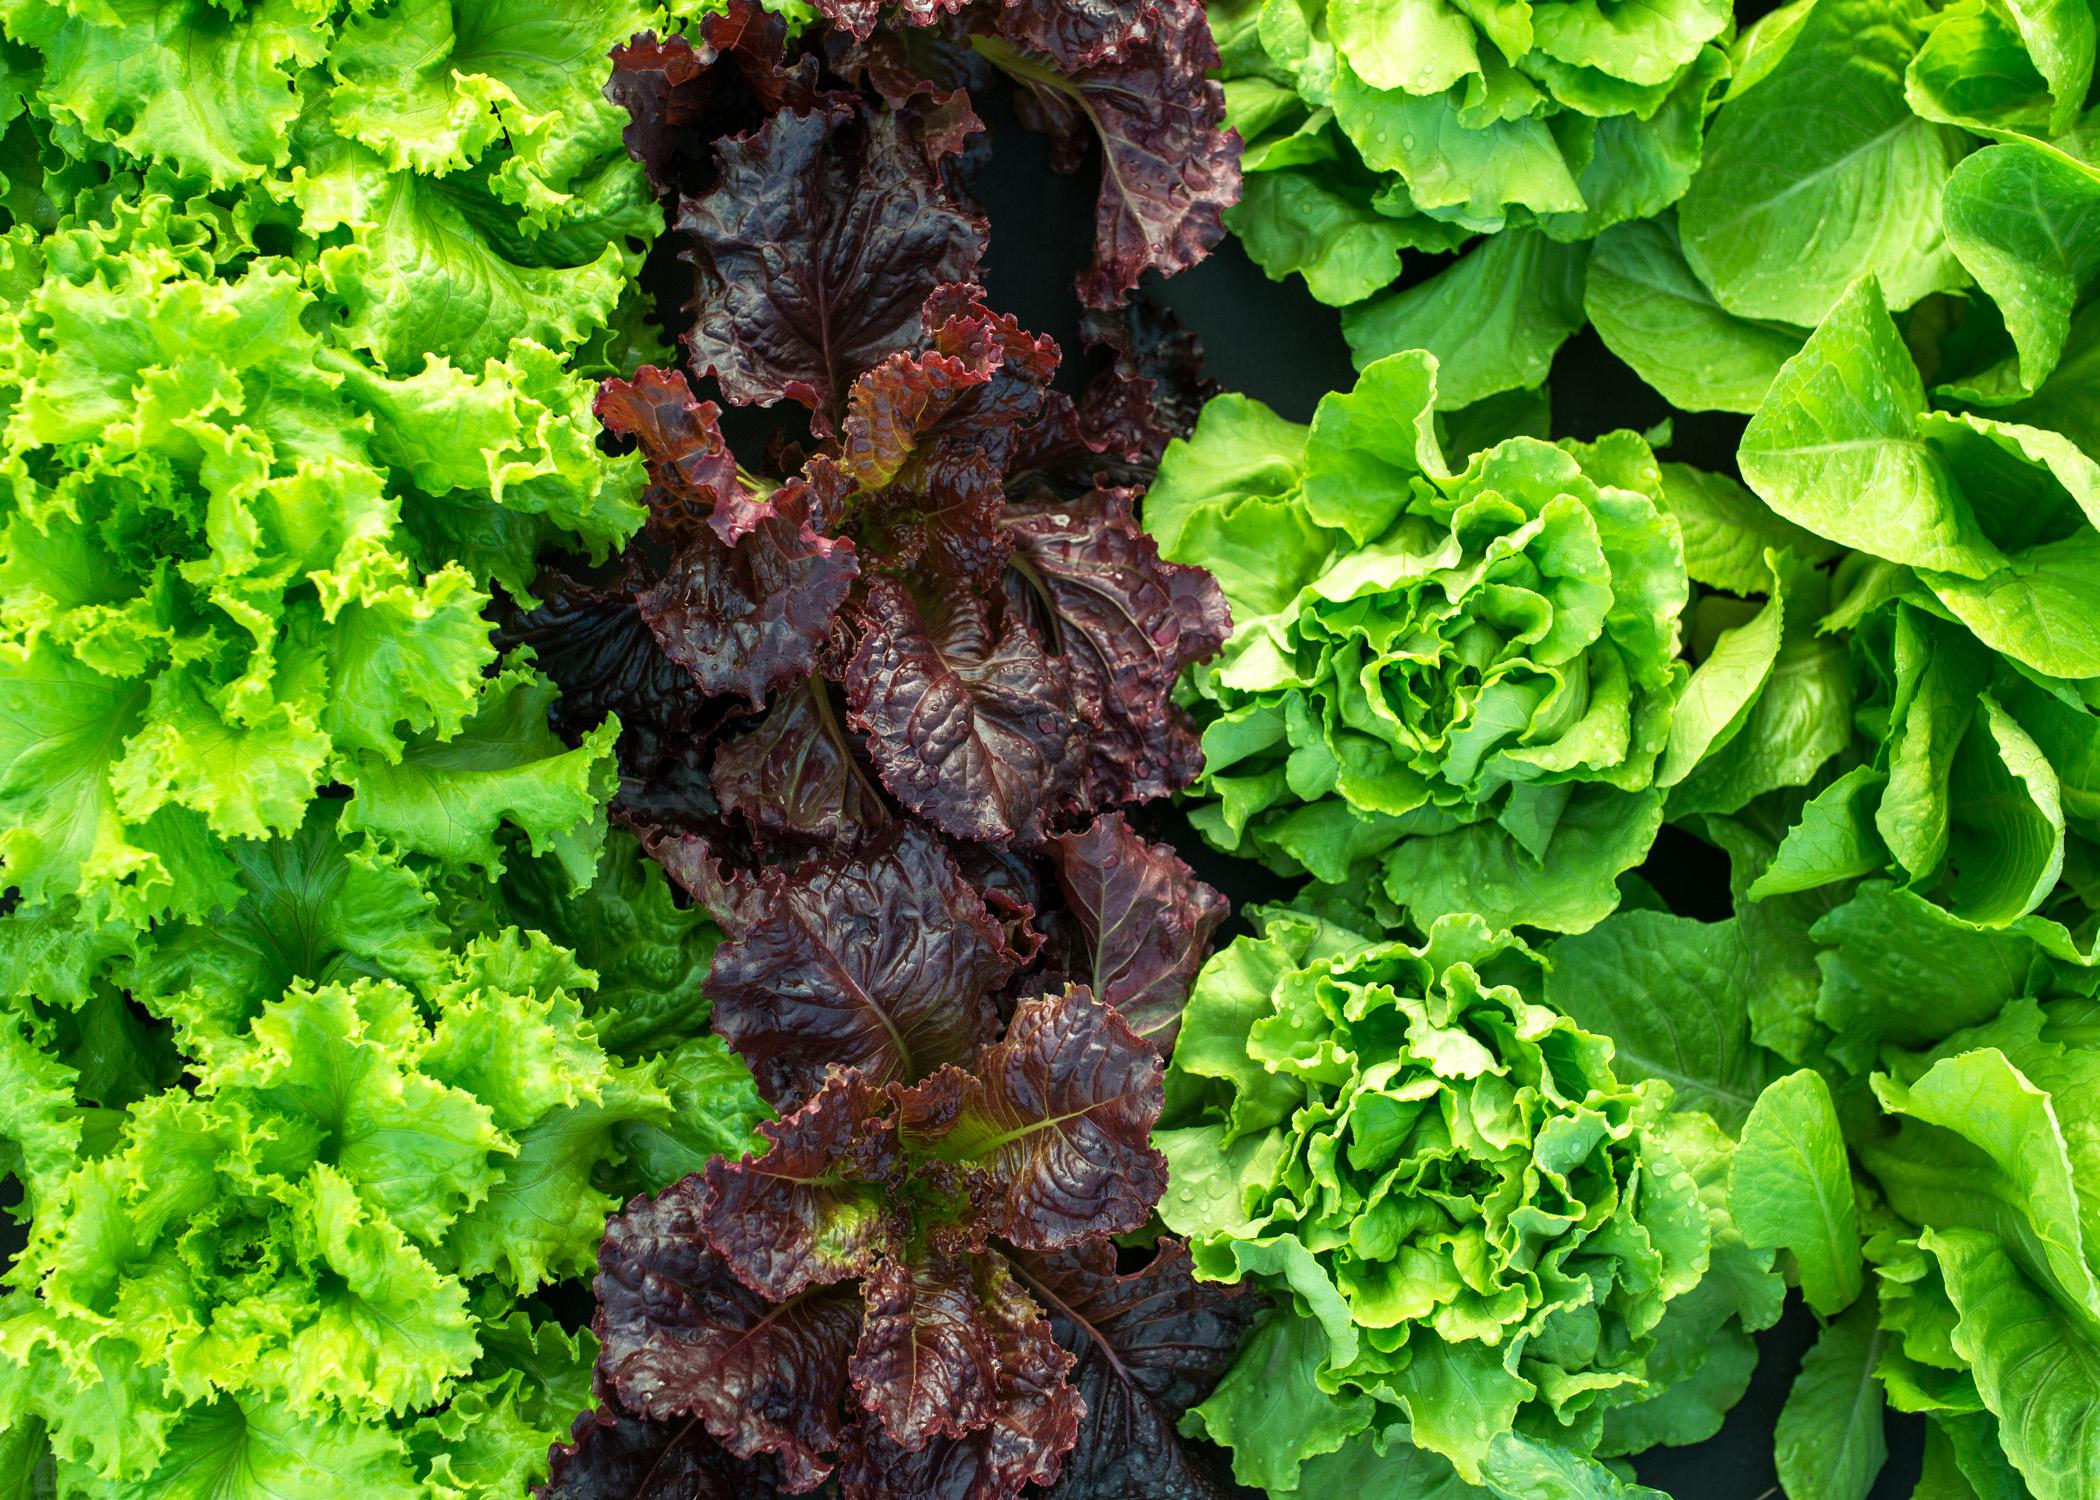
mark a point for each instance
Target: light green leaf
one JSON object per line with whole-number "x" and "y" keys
{"x": 1822, "y": 175}
{"x": 1270, "y": 1410}
{"x": 1602, "y": 834}
{"x": 1835, "y": 839}
{"x": 1368, "y": 446}
{"x": 1300, "y": 222}
{"x": 448, "y": 797}
{"x": 258, "y": 1450}
{"x": 1493, "y": 320}
{"x": 1991, "y": 1156}
{"x": 1670, "y": 994}
{"x": 1791, "y": 1189}
{"x": 1829, "y": 1439}
{"x": 2036, "y": 1367}
{"x": 2025, "y": 220}
{"x": 1837, "y": 447}
{"x": 1654, "y": 313}
{"x": 1727, "y": 530}
{"x": 1727, "y": 682}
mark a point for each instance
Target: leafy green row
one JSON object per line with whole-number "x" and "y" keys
{"x": 332, "y": 1026}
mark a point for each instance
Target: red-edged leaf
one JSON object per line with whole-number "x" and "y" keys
{"x": 614, "y": 1455}
{"x": 682, "y": 1336}
{"x": 881, "y": 961}
{"x": 1036, "y": 1417}
{"x": 745, "y": 619}
{"x": 927, "y": 1363}
{"x": 1144, "y": 923}
{"x": 737, "y": 901}
{"x": 1171, "y": 168}
{"x": 817, "y": 252}
{"x": 860, "y": 16}
{"x": 1150, "y": 1346}
{"x": 1128, "y": 623}
{"x": 929, "y": 435}
{"x": 796, "y": 777}
{"x": 1051, "y": 1126}
{"x": 692, "y": 474}
{"x": 973, "y": 728}
{"x": 820, "y": 1205}
{"x": 680, "y": 102}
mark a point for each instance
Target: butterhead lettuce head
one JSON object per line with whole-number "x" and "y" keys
{"x": 1482, "y": 1239}
{"x": 1457, "y": 678}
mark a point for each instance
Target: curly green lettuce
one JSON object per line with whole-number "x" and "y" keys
{"x": 238, "y": 564}
{"x": 1496, "y": 1257}
{"x": 1460, "y": 679}
{"x": 445, "y": 177}
{"x": 400, "y": 1125}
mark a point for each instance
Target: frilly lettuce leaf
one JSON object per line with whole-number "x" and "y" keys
{"x": 1463, "y": 672}
{"x": 283, "y": 627}
{"x": 1368, "y": 1129}
{"x": 311, "y": 1228}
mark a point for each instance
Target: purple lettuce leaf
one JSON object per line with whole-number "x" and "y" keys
{"x": 679, "y": 101}
{"x": 816, "y": 251}
{"x": 1137, "y": 923}
{"x": 972, "y": 725}
{"x": 1150, "y": 1345}
{"x": 927, "y": 1364}
{"x": 693, "y": 479}
{"x": 615, "y": 1455}
{"x": 797, "y": 778}
{"x": 1127, "y": 623}
{"x": 681, "y": 1336}
{"x": 748, "y": 618}
{"x": 1051, "y": 1126}
{"x": 1156, "y": 384}
{"x": 1035, "y": 1415}
{"x": 1134, "y": 76}
{"x": 817, "y": 1206}
{"x": 880, "y": 961}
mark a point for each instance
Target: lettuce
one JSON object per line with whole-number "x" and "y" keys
{"x": 1967, "y": 600}
{"x": 1378, "y": 127}
{"x": 325, "y": 1248}
{"x": 1461, "y": 679}
{"x": 1496, "y": 1255}
{"x": 323, "y": 1054}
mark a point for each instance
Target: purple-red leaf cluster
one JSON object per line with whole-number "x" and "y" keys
{"x": 941, "y": 605}
{"x": 844, "y": 1302}
{"x": 883, "y": 693}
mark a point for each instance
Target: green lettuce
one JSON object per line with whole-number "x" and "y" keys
{"x": 332, "y": 1022}
{"x": 227, "y": 577}
{"x": 444, "y": 177}
{"x": 401, "y": 1124}
{"x": 1497, "y": 1258}
{"x": 1952, "y": 1252}
{"x": 1969, "y": 603}
{"x": 1376, "y": 127}
{"x": 1459, "y": 680}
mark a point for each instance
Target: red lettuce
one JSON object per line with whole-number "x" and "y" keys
{"x": 845, "y": 1300}
{"x": 882, "y": 693}
{"x": 941, "y": 608}
{"x": 1149, "y": 1345}
{"x": 1136, "y": 924}
{"x": 1130, "y": 78}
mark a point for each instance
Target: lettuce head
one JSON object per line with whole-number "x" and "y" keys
{"x": 1455, "y": 680}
